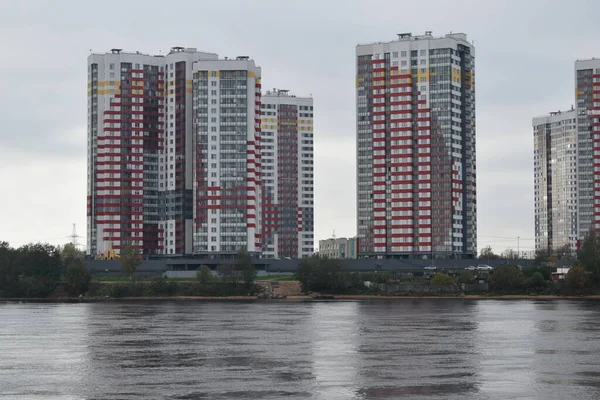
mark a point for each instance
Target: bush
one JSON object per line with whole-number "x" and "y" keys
{"x": 537, "y": 280}
{"x": 467, "y": 277}
{"x": 576, "y": 281}
{"x": 162, "y": 287}
{"x": 442, "y": 279}
{"x": 78, "y": 278}
{"x": 126, "y": 289}
{"x": 507, "y": 278}
{"x": 204, "y": 274}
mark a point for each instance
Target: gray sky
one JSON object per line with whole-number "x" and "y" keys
{"x": 524, "y": 67}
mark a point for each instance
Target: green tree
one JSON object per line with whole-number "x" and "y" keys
{"x": 78, "y": 277}
{"x": 306, "y": 271}
{"x": 8, "y": 271}
{"x": 467, "y": 277}
{"x": 442, "y": 279}
{"x": 70, "y": 253}
{"x": 576, "y": 280}
{"x": 40, "y": 261}
{"x": 204, "y": 274}
{"x": 228, "y": 273}
{"x": 245, "y": 267}
{"x": 323, "y": 275}
{"x": 507, "y": 277}
{"x": 487, "y": 254}
{"x": 589, "y": 254}
{"x": 537, "y": 280}
{"x": 130, "y": 259}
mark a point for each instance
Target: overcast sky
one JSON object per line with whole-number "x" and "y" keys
{"x": 524, "y": 67}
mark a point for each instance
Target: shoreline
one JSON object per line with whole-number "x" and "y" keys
{"x": 345, "y": 297}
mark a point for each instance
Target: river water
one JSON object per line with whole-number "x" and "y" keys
{"x": 401, "y": 349}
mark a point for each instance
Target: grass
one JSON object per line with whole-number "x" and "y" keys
{"x": 278, "y": 278}
{"x": 123, "y": 278}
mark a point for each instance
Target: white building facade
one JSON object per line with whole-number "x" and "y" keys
{"x": 416, "y": 192}
{"x": 288, "y": 175}
{"x": 227, "y": 210}
{"x": 555, "y": 181}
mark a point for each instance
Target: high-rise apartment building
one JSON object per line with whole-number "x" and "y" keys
{"x": 416, "y": 147}
{"x": 139, "y": 147}
{"x": 587, "y": 100}
{"x": 288, "y": 175}
{"x": 173, "y": 152}
{"x": 567, "y": 166}
{"x": 227, "y": 100}
{"x": 555, "y": 181}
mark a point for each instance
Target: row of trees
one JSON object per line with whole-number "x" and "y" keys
{"x": 40, "y": 270}
{"x": 327, "y": 276}
{"x": 36, "y": 270}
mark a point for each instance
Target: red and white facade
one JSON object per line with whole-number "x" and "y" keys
{"x": 587, "y": 96}
{"x": 288, "y": 175}
{"x": 416, "y": 147}
{"x": 139, "y": 151}
{"x": 227, "y": 134}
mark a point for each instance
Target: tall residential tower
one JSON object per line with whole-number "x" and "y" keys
{"x": 567, "y": 167}
{"x": 555, "y": 180}
{"x": 288, "y": 175}
{"x": 227, "y": 99}
{"x": 173, "y": 153}
{"x": 416, "y": 147}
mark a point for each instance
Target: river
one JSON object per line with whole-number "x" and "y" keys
{"x": 398, "y": 349}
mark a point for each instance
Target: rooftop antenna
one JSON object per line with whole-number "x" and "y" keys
{"x": 334, "y": 233}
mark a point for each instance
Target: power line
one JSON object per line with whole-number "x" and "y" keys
{"x": 505, "y": 237}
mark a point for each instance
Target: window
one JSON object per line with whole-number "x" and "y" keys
{"x": 395, "y": 54}
{"x": 423, "y": 52}
{"x": 403, "y": 53}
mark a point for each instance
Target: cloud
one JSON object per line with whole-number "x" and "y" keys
{"x": 524, "y": 68}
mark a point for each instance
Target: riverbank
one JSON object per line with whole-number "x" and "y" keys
{"x": 294, "y": 298}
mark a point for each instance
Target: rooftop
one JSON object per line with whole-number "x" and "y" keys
{"x": 175, "y": 49}
{"x": 408, "y": 36}
{"x": 280, "y": 93}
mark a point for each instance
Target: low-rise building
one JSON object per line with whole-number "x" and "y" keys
{"x": 339, "y": 248}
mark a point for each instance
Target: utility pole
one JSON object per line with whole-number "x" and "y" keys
{"x": 518, "y": 248}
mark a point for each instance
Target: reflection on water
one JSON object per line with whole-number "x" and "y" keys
{"x": 403, "y": 349}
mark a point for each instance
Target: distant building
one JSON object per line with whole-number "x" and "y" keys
{"x": 416, "y": 192}
{"x": 287, "y": 155}
{"x": 567, "y": 166}
{"x": 339, "y": 248}
{"x": 555, "y": 181}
